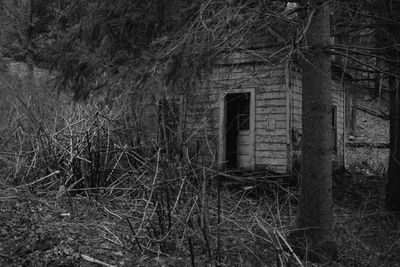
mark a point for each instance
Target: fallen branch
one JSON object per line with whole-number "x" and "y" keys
{"x": 237, "y": 178}
{"x": 39, "y": 180}
{"x": 93, "y": 260}
{"x": 372, "y": 112}
{"x": 367, "y": 144}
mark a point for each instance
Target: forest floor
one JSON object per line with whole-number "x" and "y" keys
{"x": 44, "y": 228}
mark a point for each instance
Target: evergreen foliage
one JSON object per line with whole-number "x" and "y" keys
{"x": 94, "y": 44}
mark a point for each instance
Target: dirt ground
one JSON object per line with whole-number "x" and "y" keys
{"x": 46, "y": 231}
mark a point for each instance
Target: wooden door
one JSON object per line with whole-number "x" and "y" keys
{"x": 243, "y": 149}
{"x": 243, "y": 133}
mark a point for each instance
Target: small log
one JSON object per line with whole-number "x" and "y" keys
{"x": 96, "y": 261}
{"x": 367, "y": 144}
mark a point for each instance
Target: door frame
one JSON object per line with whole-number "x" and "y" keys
{"x": 222, "y": 126}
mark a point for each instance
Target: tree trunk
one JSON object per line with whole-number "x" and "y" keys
{"x": 315, "y": 208}
{"x": 348, "y": 106}
{"x": 377, "y": 84}
{"x": 393, "y": 175}
{"x": 28, "y": 40}
{"x": 353, "y": 121}
{"x": 390, "y": 36}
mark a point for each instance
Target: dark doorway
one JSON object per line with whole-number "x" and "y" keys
{"x": 237, "y": 130}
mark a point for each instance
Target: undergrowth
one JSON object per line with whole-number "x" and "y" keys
{"x": 79, "y": 185}
{"x": 62, "y": 151}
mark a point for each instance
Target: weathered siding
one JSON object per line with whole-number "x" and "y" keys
{"x": 271, "y": 121}
{"x": 277, "y": 112}
{"x": 270, "y": 135}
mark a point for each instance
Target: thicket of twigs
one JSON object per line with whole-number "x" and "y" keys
{"x": 53, "y": 147}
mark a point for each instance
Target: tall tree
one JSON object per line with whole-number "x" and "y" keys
{"x": 28, "y": 38}
{"x": 386, "y": 14}
{"x": 315, "y": 209}
{"x": 390, "y": 38}
{"x": 393, "y": 175}
{"x": 379, "y": 22}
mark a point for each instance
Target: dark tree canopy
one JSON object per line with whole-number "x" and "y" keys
{"x": 87, "y": 41}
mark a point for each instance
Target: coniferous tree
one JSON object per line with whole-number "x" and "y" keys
{"x": 315, "y": 207}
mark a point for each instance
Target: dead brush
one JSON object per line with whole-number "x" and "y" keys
{"x": 72, "y": 139}
{"x": 176, "y": 207}
{"x": 27, "y": 151}
{"x": 204, "y": 218}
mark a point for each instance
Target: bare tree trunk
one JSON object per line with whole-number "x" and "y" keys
{"x": 348, "y": 109}
{"x": 315, "y": 208}
{"x": 393, "y": 175}
{"x": 28, "y": 39}
{"x": 377, "y": 84}
{"x": 390, "y": 36}
{"x": 353, "y": 121}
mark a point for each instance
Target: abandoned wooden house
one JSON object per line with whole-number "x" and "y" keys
{"x": 245, "y": 114}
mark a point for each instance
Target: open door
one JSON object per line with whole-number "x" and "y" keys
{"x": 238, "y": 131}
